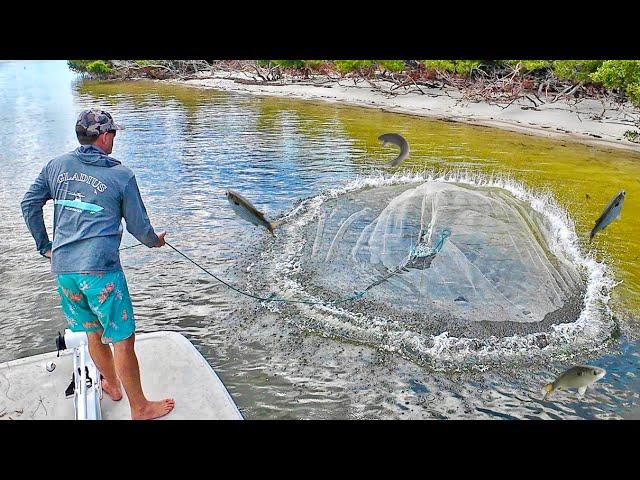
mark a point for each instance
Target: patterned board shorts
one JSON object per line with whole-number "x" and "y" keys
{"x": 94, "y": 302}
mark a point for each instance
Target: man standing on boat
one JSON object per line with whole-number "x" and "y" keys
{"x": 92, "y": 193}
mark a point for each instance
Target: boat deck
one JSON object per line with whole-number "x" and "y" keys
{"x": 170, "y": 366}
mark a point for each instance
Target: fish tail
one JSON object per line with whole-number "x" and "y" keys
{"x": 271, "y": 226}
{"x": 548, "y": 389}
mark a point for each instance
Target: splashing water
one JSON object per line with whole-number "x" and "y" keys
{"x": 510, "y": 283}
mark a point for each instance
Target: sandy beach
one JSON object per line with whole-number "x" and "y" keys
{"x": 588, "y": 121}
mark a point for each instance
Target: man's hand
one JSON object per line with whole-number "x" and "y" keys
{"x": 161, "y": 241}
{"x": 48, "y": 254}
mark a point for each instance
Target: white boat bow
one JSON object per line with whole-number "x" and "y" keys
{"x": 170, "y": 366}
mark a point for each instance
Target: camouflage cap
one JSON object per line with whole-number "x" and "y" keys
{"x": 93, "y": 122}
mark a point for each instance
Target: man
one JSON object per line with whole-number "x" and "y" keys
{"x": 92, "y": 193}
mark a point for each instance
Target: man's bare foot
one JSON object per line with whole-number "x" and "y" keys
{"x": 114, "y": 391}
{"x": 153, "y": 409}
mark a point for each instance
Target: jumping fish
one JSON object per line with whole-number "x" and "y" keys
{"x": 610, "y": 213}
{"x": 244, "y": 209}
{"x": 580, "y": 377}
{"x": 399, "y": 141}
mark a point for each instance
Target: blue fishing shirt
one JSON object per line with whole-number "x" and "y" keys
{"x": 92, "y": 192}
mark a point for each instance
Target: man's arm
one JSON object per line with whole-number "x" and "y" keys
{"x": 135, "y": 215}
{"x": 32, "y": 203}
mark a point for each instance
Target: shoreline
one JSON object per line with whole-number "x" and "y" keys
{"x": 586, "y": 121}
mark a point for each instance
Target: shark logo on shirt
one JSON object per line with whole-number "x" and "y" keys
{"x": 78, "y": 204}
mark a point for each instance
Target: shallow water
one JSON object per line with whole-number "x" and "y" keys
{"x": 187, "y": 146}
{"x": 503, "y": 280}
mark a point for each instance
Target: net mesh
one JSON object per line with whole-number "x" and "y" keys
{"x": 443, "y": 252}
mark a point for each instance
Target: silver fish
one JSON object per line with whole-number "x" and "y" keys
{"x": 580, "y": 377}
{"x": 610, "y": 213}
{"x": 245, "y": 210}
{"x": 399, "y": 141}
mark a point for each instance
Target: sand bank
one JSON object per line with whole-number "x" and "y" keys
{"x": 588, "y": 121}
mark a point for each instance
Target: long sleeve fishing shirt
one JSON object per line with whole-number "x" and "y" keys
{"x": 92, "y": 193}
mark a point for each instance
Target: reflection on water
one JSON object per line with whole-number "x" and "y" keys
{"x": 187, "y": 146}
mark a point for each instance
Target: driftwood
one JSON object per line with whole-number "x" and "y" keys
{"x": 181, "y": 69}
{"x": 493, "y": 84}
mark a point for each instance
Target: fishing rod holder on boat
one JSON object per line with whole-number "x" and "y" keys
{"x": 85, "y": 386}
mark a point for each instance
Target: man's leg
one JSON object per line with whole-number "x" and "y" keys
{"x": 80, "y": 317}
{"x": 103, "y": 358}
{"x": 128, "y": 370}
{"x": 109, "y": 299}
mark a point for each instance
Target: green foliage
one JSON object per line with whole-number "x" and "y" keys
{"x": 79, "y": 65}
{"x": 343, "y": 66}
{"x": 443, "y": 65}
{"x": 530, "y": 65}
{"x": 99, "y": 67}
{"x": 618, "y": 73}
{"x": 282, "y": 63}
{"x": 575, "y": 70}
{"x": 289, "y": 63}
{"x": 463, "y": 67}
{"x": 346, "y": 66}
{"x": 632, "y": 136}
{"x": 633, "y": 92}
{"x": 144, "y": 63}
{"x": 391, "y": 65}
{"x": 313, "y": 64}
{"x": 621, "y": 74}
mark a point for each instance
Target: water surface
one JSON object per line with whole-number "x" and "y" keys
{"x": 187, "y": 146}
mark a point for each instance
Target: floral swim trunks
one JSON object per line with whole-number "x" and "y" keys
{"x": 94, "y": 302}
